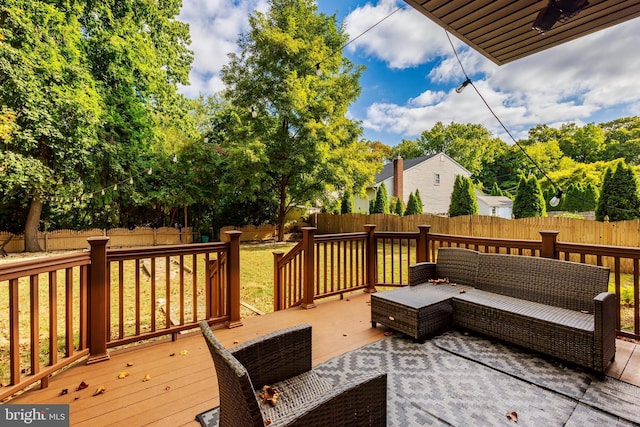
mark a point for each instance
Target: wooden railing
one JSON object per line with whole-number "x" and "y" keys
{"x": 60, "y": 309}
{"x": 386, "y": 257}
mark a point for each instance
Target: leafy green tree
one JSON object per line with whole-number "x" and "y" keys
{"x": 529, "y": 201}
{"x": 585, "y": 145}
{"x": 471, "y": 145}
{"x": 419, "y": 203}
{"x": 407, "y": 149}
{"x": 382, "y": 200}
{"x": 398, "y": 206}
{"x": 372, "y": 206}
{"x": 622, "y": 140}
{"x": 463, "y": 198}
{"x": 412, "y": 205}
{"x": 300, "y": 145}
{"x": 347, "y": 204}
{"x": 496, "y": 191}
{"x": 619, "y": 198}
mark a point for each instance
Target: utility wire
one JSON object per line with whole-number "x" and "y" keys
{"x": 360, "y": 35}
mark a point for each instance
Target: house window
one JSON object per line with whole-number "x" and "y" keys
{"x": 436, "y": 179}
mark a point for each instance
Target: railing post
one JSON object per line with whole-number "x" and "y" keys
{"x": 422, "y": 249}
{"x": 372, "y": 258}
{"x": 233, "y": 275}
{"x": 277, "y": 281}
{"x": 98, "y": 297}
{"x": 308, "y": 283}
{"x": 549, "y": 243}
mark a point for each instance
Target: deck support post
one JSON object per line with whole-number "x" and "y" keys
{"x": 372, "y": 258}
{"x": 233, "y": 275}
{"x": 308, "y": 279}
{"x": 549, "y": 238}
{"x": 277, "y": 281}
{"x": 98, "y": 297}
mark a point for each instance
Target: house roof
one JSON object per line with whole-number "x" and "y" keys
{"x": 502, "y": 30}
{"x": 387, "y": 170}
{"x": 497, "y": 201}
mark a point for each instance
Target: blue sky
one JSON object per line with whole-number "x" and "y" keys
{"x": 411, "y": 73}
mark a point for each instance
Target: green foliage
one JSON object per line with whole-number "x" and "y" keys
{"x": 407, "y": 149}
{"x": 412, "y": 206}
{"x": 585, "y": 145}
{"x": 300, "y": 146}
{"x": 372, "y": 206}
{"x": 619, "y": 199}
{"x": 496, "y": 191}
{"x": 419, "y": 203}
{"x": 382, "y": 200}
{"x": 347, "y": 205}
{"x": 398, "y": 206}
{"x": 529, "y": 201}
{"x": 463, "y": 198}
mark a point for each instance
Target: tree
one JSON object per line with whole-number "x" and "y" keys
{"x": 463, "y": 198}
{"x": 529, "y": 201}
{"x": 419, "y": 204}
{"x": 619, "y": 198}
{"x": 471, "y": 145}
{"x": 347, "y": 202}
{"x": 496, "y": 191}
{"x": 398, "y": 206}
{"x": 412, "y": 205}
{"x": 89, "y": 84}
{"x": 585, "y": 145}
{"x": 407, "y": 149}
{"x": 300, "y": 145}
{"x": 382, "y": 200}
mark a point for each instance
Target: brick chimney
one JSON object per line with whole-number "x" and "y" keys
{"x": 398, "y": 171}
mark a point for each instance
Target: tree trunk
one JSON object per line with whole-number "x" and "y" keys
{"x": 31, "y": 227}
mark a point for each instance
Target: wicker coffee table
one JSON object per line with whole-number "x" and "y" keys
{"x": 417, "y": 311}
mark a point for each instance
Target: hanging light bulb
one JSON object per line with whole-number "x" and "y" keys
{"x": 102, "y": 192}
{"x": 463, "y": 85}
{"x": 115, "y": 187}
{"x": 318, "y": 70}
{"x": 175, "y": 158}
{"x": 555, "y": 200}
{"x": 131, "y": 180}
{"x": 150, "y": 171}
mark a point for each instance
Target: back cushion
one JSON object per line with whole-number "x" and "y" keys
{"x": 564, "y": 284}
{"x": 458, "y": 265}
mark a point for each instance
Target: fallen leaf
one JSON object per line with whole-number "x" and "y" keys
{"x": 100, "y": 390}
{"x": 172, "y": 354}
{"x": 122, "y": 375}
{"x": 184, "y": 352}
{"x": 512, "y": 416}
{"x": 167, "y": 388}
{"x": 64, "y": 391}
{"x": 236, "y": 341}
{"x": 76, "y": 398}
{"x": 267, "y": 421}
{"x": 147, "y": 377}
{"x": 82, "y": 386}
{"x": 344, "y": 335}
{"x": 129, "y": 363}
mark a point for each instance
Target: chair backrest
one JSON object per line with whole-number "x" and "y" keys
{"x": 459, "y": 265}
{"x": 238, "y": 404}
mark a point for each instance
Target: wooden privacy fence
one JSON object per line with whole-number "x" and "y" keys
{"x": 334, "y": 264}
{"x": 56, "y": 310}
{"x": 60, "y": 240}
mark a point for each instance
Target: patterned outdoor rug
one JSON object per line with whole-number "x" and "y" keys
{"x": 461, "y": 380}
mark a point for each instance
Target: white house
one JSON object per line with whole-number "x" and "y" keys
{"x": 434, "y": 175}
{"x": 500, "y": 206}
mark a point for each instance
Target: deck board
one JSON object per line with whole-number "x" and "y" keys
{"x": 183, "y": 385}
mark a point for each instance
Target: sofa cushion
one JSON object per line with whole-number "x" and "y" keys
{"x": 556, "y": 315}
{"x": 458, "y": 265}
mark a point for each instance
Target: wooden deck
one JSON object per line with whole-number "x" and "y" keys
{"x": 182, "y": 377}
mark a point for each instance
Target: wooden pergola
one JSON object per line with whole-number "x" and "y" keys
{"x": 502, "y": 30}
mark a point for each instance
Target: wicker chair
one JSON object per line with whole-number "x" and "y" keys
{"x": 282, "y": 360}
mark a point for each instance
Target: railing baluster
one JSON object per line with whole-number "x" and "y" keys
{"x": 53, "y": 318}
{"x": 35, "y": 324}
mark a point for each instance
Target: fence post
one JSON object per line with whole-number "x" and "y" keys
{"x": 372, "y": 255}
{"x": 277, "y": 281}
{"x": 233, "y": 275}
{"x": 549, "y": 243}
{"x": 98, "y": 297}
{"x": 422, "y": 250}
{"x": 308, "y": 284}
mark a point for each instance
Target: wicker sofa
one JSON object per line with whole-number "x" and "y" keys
{"x": 555, "y": 307}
